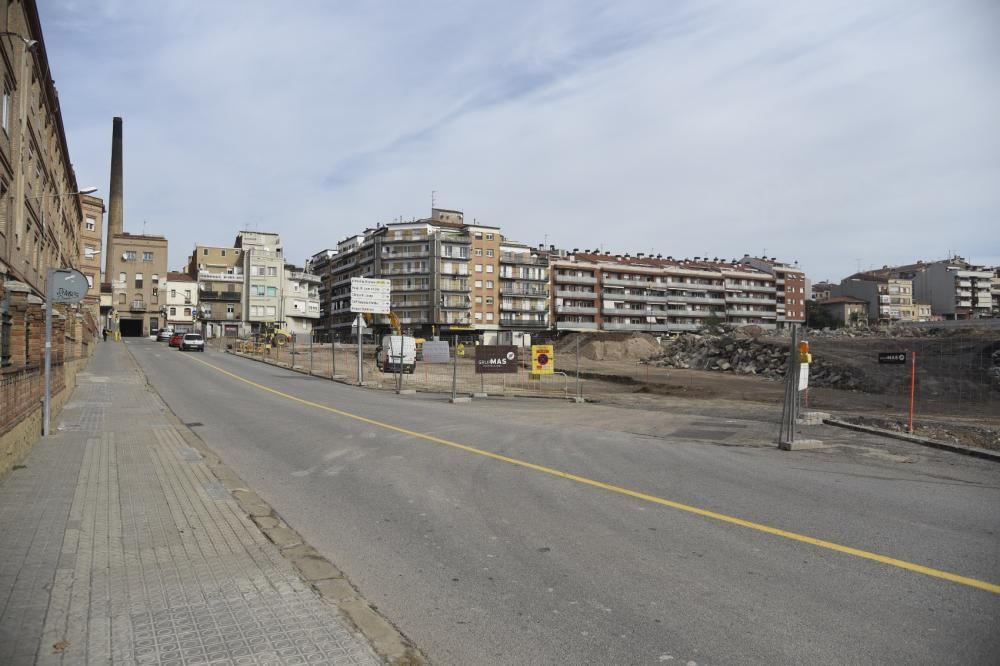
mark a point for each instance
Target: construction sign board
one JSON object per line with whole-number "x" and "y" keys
{"x": 370, "y": 295}
{"x": 436, "y": 351}
{"x": 496, "y": 359}
{"x": 543, "y": 359}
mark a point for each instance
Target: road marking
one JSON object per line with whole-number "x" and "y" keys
{"x": 722, "y": 517}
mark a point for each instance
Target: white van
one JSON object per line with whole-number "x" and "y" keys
{"x": 397, "y": 352}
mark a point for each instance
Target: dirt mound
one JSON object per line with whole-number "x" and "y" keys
{"x": 610, "y": 346}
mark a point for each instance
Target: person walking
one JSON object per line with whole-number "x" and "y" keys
{"x": 104, "y": 334}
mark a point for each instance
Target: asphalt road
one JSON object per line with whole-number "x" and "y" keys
{"x": 480, "y": 561}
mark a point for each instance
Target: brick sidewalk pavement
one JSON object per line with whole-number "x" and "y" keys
{"x": 120, "y": 546}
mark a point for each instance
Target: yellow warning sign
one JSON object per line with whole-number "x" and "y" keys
{"x": 543, "y": 359}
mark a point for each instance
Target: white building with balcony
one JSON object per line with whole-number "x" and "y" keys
{"x": 301, "y": 304}
{"x": 181, "y": 308}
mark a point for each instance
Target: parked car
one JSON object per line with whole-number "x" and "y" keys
{"x": 164, "y": 335}
{"x": 193, "y": 342}
{"x": 175, "y": 339}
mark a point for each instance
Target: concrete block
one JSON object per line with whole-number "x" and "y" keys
{"x": 801, "y": 445}
{"x": 480, "y": 395}
{"x": 578, "y": 401}
{"x": 407, "y": 392}
{"x": 460, "y": 400}
{"x": 812, "y": 418}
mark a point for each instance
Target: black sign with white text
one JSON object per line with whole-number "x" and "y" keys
{"x": 892, "y": 358}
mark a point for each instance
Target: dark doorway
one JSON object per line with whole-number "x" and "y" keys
{"x": 130, "y": 328}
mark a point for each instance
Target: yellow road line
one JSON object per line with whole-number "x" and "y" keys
{"x": 733, "y": 520}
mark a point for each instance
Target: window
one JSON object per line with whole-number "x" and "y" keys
{"x": 478, "y": 234}
{"x": 270, "y": 310}
{"x": 272, "y": 271}
{"x": 489, "y": 300}
{"x": 230, "y": 309}
{"x": 187, "y": 294}
{"x": 138, "y": 280}
{"x": 156, "y": 279}
{"x": 223, "y": 253}
{"x": 479, "y": 284}
{"x": 204, "y": 252}
{"x": 88, "y": 252}
{"x": 272, "y": 291}
{"x": 479, "y": 251}
{"x": 257, "y": 290}
{"x": 129, "y": 255}
{"x": 489, "y": 268}
{"x": 173, "y": 311}
{"x": 489, "y": 316}
{"x": 90, "y": 224}
{"x": 187, "y": 312}
{"x": 173, "y": 293}
{"x": 121, "y": 298}
{"x": 147, "y": 256}
{"x": 489, "y": 237}
{"x": 479, "y": 316}
{"x": 479, "y": 268}
{"x": 122, "y": 277}
{"x": 6, "y": 108}
{"x": 489, "y": 253}
{"x": 489, "y": 284}
{"x": 479, "y": 299}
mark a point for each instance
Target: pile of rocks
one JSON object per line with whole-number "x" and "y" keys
{"x": 728, "y": 351}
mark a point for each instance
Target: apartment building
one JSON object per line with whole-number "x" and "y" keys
{"x": 656, "y": 294}
{"x": 485, "y": 264}
{"x": 300, "y": 295}
{"x": 524, "y": 289}
{"x": 954, "y": 288}
{"x": 138, "y": 277}
{"x": 846, "y": 310}
{"x": 91, "y": 241}
{"x": 320, "y": 265}
{"x": 264, "y": 274}
{"x": 181, "y": 309}
{"x": 995, "y": 291}
{"x": 219, "y": 275}
{"x": 41, "y": 215}
{"x": 790, "y": 288}
{"x": 889, "y": 298}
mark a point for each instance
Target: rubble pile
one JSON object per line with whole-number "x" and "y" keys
{"x": 741, "y": 353}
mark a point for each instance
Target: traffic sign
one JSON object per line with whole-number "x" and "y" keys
{"x": 460, "y": 349}
{"x": 67, "y": 285}
{"x": 892, "y": 358}
{"x": 543, "y": 359}
{"x": 370, "y": 295}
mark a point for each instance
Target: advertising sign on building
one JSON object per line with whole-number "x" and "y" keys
{"x": 370, "y": 295}
{"x": 543, "y": 359}
{"x": 494, "y": 359}
{"x": 436, "y": 351}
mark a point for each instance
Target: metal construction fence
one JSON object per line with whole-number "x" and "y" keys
{"x": 944, "y": 373}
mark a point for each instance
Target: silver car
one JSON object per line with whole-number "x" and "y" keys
{"x": 192, "y": 342}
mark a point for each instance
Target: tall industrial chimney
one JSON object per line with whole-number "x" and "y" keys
{"x": 116, "y": 224}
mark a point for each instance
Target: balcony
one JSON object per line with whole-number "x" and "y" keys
{"x": 615, "y": 326}
{"x": 522, "y": 307}
{"x": 233, "y": 296}
{"x": 454, "y": 285}
{"x": 691, "y": 313}
{"x": 137, "y": 306}
{"x": 580, "y": 295}
{"x": 749, "y": 300}
{"x": 219, "y": 277}
{"x": 304, "y": 277}
{"x": 616, "y": 282}
{"x": 523, "y": 259}
{"x": 576, "y": 325}
{"x": 421, "y": 254}
{"x": 626, "y": 311}
{"x": 523, "y": 290}
{"x": 523, "y": 323}
{"x": 574, "y": 279}
{"x": 767, "y": 289}
{"x": 575, "y": 309}
{"x": 701, "y": 300}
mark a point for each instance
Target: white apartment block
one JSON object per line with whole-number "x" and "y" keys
{"x": 301, "y": 301}
{"x": 954, "y": 288}
{"x": 181, "y": 309}
{"x": 264, "y": 274}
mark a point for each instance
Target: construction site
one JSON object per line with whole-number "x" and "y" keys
{"x": 953, "y": 375}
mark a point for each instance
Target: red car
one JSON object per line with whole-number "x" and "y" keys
{"x": 175, "y": 339}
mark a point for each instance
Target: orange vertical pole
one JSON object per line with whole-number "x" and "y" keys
{"x": 913, "y": 382}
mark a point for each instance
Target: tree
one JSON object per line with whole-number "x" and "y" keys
{"x": 817, "y": 317}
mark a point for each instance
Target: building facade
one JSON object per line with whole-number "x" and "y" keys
{"x": 954, "y": 288}
{"x": 219, "y": 275}
{"x": 846, "y": 310}
{"x": 41, "y": 215}
{"x": 790, "y": 288}
{"x": 91, "y": 241}
{"x": 138, "y": 278}
{"x": 264, "y": 276}
{"x": 889, "y": 298}
{"x": 320, "y": 265}
{"x": 300, "y": 295}
{"x": 524, "y": 290}
{"x": 181, "y": 309}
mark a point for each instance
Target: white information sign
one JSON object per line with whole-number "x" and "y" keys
{"x": 370, "y": 295}
{"x": 803, "y": 376}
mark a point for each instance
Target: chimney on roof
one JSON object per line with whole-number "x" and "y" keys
{"x": 639, "y": 255}
{"x": 659, "y": 256}
{"x": 575, "y": 250}
{"x": 552, "y": 248}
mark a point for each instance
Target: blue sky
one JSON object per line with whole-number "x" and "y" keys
{"x": 835, "y": 134}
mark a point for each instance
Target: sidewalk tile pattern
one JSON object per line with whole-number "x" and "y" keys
{"x": 119, "y": 546}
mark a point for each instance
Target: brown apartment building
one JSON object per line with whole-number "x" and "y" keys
{"x": 138, "y": 278}
{"x": 40, "y": 213}
{"x": 91, "y": 240}
{"x": 219, "y": 272}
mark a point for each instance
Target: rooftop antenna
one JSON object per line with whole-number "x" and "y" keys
{"x": 144, "y": 227}
{"x": 433, "y": 199}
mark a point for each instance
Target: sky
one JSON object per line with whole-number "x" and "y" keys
{"x": 838, "y": 134}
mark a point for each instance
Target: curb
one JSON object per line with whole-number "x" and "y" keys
{"x": 323, "y": 576}
{"x": 985, "y": 454}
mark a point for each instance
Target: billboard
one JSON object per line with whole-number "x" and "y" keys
{"x": 435, "y": 351}
{"x": 495, "y": 359}
{"x": 543, "y": 359}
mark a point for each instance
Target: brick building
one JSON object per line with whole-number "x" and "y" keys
{"x": 138, "y": 278}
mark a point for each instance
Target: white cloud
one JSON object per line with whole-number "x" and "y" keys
{"x": 827, "y": 134}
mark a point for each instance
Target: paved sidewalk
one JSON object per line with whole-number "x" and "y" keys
{"x": 119, "y": 546}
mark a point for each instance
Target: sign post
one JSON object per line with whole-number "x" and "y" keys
{"x": 368, "y": 296}
{"x": 913, "y": 383}
{"x": 63, "y": 285}
{"x": 360, "y": 323}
